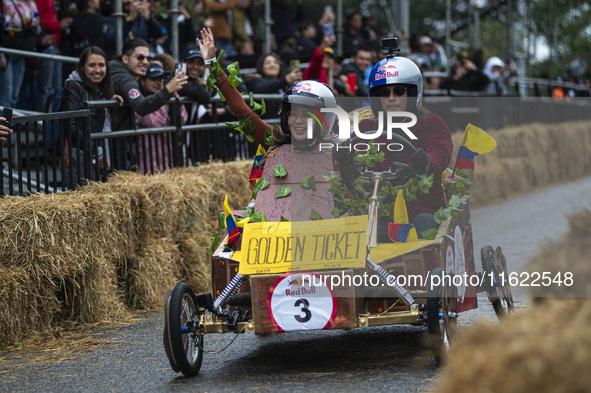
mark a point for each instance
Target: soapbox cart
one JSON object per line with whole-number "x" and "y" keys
{"x": 282, "y": 276}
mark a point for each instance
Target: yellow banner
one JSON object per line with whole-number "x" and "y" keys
{"x": 280, "y": 247}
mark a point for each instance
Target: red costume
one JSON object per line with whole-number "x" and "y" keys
{"x": 433, "y": 137}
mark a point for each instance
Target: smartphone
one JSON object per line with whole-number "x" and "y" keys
{"x": 294, "y": 64}
{"x": 180, "y": 68}
{"x": 7, "y": 114}
{"x": 167, "y": 76}
{"x": 328, "y": 29}
{"x": 352, "y": 81}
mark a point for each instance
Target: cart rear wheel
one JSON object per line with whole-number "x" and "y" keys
{"x": 499, "y": 294}
{"x": 186, "y": 344}
{"x": 442, "y": 312}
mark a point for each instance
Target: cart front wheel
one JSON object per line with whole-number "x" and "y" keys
{"x": 186, "y": 344}
{"x": 442, "y": 314}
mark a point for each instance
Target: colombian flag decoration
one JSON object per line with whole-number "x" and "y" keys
{"x": 257, "y": 166}
{"x": 475, "y": 142}
{"x": 400, "y": 230}
{"x": 234, "y": 231}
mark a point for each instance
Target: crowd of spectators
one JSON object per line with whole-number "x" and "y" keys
{"x": 87, "y": 29}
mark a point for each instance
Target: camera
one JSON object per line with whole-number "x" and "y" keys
{"x": 390, "y": 45}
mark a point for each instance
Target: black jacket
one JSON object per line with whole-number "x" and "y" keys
{"x": 260, "y": 85}
{"x": 351, "y": 68}
{"x": 94, "y": 29}
{"x": 471, "y": 81}
{"x": 72, "y": 99}
{"x": 129, "y": 88}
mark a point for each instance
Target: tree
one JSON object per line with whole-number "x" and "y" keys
{"x": 571, "y": 23}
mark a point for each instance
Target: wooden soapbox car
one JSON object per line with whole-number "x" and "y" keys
{"x": 283, "y": 276}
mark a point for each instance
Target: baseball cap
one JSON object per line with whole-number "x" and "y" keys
{"x": 463, "y": 55}
{"x": 425, "y": 41}
{"x": 192, "y": 51}
{"x": 329, "y": 50}
{"x": 154, "y": 70}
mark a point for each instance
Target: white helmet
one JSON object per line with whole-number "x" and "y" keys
{"x": 396, "y": 70}
{"x": 312, "y": 94}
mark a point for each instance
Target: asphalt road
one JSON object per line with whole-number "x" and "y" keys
{"x": 370, "y": 359}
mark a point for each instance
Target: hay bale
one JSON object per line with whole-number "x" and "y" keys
{"x": 27, "y": 304}
{"x": 546, "y": 348}
{"x": 529, "y": 157}
{"x": 80, "y": 257}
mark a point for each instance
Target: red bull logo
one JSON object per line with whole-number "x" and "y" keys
{"x": 386, "y": 71}
{"x": 296, "y": 282}
{"x": 304, "y": 86}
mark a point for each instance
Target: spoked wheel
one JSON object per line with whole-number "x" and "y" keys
{"x": 185, "y": 344}
{"x": 499, "y": 290}
{"x": 442, "y": 314}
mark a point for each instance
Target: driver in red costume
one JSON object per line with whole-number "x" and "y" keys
{"x": 396, "y": 85}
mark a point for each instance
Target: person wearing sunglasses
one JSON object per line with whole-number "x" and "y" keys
{"x": 155, "y": 150}
{"x": 126, "y": 69}
{"x": 396, "y": 85}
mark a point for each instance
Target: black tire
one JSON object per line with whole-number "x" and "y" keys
{"x": 441, "y": 330}
{"x": 186, "y": 347}
{"x": 487, "y": 256}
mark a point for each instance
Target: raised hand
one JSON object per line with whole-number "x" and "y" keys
{"x": 207, "y": 44}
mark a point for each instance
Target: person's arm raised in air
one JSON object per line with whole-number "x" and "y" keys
{"x": 233, "y": 96}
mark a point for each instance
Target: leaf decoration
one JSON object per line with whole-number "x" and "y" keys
{"x": 233, "y": 71}
{"x": 268, "y": 139}
{"x": 261, "y": 184}
{"x": 221, "y": 221}
{"x": 280, "y": 171}
{"x": 254, "y": 215}
{"x": 442, "y": 214}
{"x": 283, "y": 219}
{"x": 315, "y": 216}
{"x": 215, "y": 241}
{"x": 371, "y": 157}
{"x": 282, "y": 191}
{"x": 336, "y": 212}
{"x": 309, "y": 183}
{"x": 430, "y": 233}
{"x": 263, "y": 107}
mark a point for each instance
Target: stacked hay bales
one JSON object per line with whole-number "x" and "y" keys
{"x": 546, "y": 348}
{"x": 82, "y": 257}
{"x": 529, "y": 157}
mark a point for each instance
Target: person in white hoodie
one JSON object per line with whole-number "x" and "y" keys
{"x": 90, "y": 81}
{"x": 498, "y": 73}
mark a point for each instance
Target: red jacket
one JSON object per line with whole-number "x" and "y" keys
{"x": 433, "y": 137}
{"x": 51, "y": 23}
{"x": 314, "y": 70}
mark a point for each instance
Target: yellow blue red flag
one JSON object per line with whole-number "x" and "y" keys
{"x": 400, "y": 230}
{"x": 234, "y": 231}
{"x": 257, "y": 166}
{"x": 475, "y": 142}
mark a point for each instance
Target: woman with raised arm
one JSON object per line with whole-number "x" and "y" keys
{"x": 294, "y": 110}
{"x": 294, "y": 144}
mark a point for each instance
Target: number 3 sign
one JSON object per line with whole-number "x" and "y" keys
{"x": 301, "y": 301}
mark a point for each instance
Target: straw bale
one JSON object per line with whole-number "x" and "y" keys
{"x": 545, "y": 348}
{"x": 529, "y": 157}
{"x": 148, "y": 275}
{"x": 26, "y": 304}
